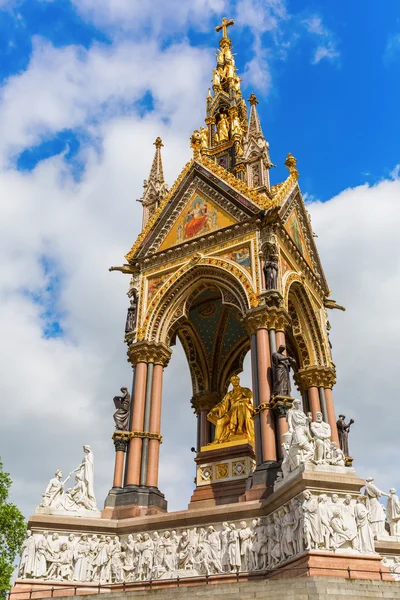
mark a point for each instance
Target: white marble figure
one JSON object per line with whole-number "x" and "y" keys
{"x": 28, "y": 556}
{"x": 393, "y": 513}
{"x": 375, "y": 508}
{"x": 245, "y": 536}
{"x": 86, "y": 475}
{"x": 321, "y": 432}
{"x": 325, "y": 521}
{"x": 301, "y": 448}
{"x": 54, "y": 493}
{"x": 365, "y": 535}
{"x": 337, "y": 457}
{"x": 234, "y": 549}
{"x": 312, "y": 523}
{"x": 341, "y": 536}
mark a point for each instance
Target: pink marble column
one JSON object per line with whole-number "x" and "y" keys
{"x": 280, "y": 339}
{"x": 155, "y": 427}
{"x": 137, "y": 417}
{"x": 330, "y": 409}
{"x": 313, "y": 400}
{"x": 267, "y": 424}
{"x": 282, "y": 428}
{"x": 118, "y": 468}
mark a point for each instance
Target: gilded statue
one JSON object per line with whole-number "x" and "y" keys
{"x": 222, "y": 126}
{"x": 236, "y": 127}
{"x": 233, "y": 416}
{"x": 204, "y": 137}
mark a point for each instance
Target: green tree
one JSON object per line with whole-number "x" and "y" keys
{"x": 12, "y": 532}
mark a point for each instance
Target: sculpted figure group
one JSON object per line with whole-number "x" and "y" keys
{"x": 80, "y": 496}
{"x": 307, "y": 522}
{"x": 308, "y": 441}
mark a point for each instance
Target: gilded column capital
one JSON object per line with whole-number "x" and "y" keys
{"x": 281, "y": 405}
{"x": 121, "y": 440}
{"x": 315, "y": 376}
{"x": 149, "y": 352}
{"x": 204, "y": 401}
{"x": 266, "y": 317}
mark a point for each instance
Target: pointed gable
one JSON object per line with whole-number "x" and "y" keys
{"x": 232, "y": 201}
{"x": 200, "y": 216}
{"x": 297, "y": 224}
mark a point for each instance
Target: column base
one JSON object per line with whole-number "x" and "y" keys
{"x": 133, "y": 501}
{"x": 261, "y": 482}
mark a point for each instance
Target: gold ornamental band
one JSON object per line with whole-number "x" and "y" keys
{"x": 128, "y": 435}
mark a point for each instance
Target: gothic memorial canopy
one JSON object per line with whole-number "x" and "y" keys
{"x": 226, "y": 262}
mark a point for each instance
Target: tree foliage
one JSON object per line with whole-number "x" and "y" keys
{"x": 12, "y": 532}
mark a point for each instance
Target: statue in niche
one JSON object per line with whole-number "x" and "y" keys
{"x": 343, "y": 432}
{"x": 222, "y": 127}
{"x": 121, "y": 415}
{"x": 393, "y": 512}
{"x": 236, "y": 127}
{"x": 271, "y": 272}
{"x": 281, "y": 369}
{"x": 130, "y": 324}
{"x": 233, "y": 416}
{"x": 204, "y": 137}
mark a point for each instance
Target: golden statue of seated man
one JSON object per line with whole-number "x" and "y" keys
{"x": 233, "y": 416}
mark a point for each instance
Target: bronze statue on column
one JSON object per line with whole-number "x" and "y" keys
{"x": 281, "y": 365}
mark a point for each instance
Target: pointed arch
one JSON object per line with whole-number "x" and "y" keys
{"x": 172, "y": 303}
{"x": 306, "y": 331}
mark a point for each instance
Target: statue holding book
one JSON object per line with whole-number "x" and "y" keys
{"x": 121, "y": 415}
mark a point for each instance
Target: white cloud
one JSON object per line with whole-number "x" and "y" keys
{"x": 326, "y": 47}
{"x": 91, "y": 85}
{"x": 392, "y": 46}
{"x": 160, "y": 17}
{"x": 358, "y": 241}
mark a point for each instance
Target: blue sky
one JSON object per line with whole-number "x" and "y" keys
{"x": 339, "y": 117}
{"x": 85, "y": 88}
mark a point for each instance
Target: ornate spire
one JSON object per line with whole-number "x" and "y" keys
{"x": 226, "y": 120}
{"x": 254, "y": 121}
{"x": 155, "y": 187}
{"x": 256, "y": 152}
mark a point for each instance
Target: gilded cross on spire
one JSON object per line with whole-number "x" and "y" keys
{"x": 224, "y": 26}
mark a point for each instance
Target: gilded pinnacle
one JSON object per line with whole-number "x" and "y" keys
{"x": 158, "y": 143}
{"x": 253, "y": 99}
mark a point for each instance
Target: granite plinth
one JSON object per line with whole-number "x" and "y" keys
{"x": 133, "y": 501}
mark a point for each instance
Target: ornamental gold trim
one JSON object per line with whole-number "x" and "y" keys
{"x": 315, "y": 376}
{"x": 149, "y": 352}
{"x": 153, "y": 219}
{"x": 265, "y": 317}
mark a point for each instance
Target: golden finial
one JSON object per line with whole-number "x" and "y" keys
{"x": 209, "y": 97}
{"x": 158, "y": 143}
{"x": 290, "y": 164}
{"x": 253, "y": 99}
{"x": 224, "y": 26}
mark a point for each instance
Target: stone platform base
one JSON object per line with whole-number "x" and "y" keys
{"x": 265, "y": 587}
{"x": 134, "y": 501}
